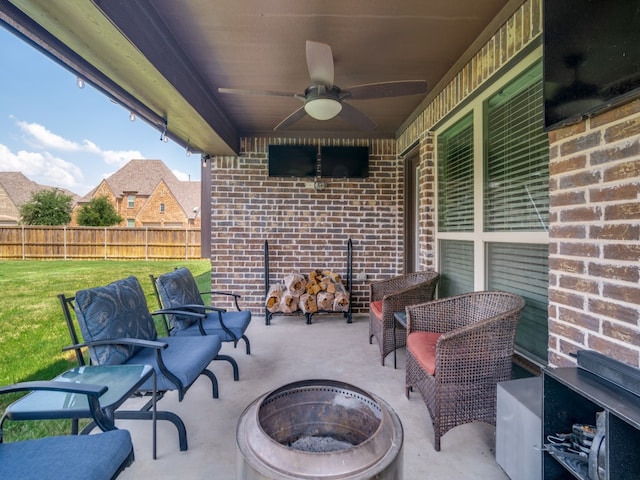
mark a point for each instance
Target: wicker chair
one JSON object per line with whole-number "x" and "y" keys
{"x": 458, "y": 349}
{"x": 392, "y": 295}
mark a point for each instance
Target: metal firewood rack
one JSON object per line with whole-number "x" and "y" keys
{"x": 348, "y": 278}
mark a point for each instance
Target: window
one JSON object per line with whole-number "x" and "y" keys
{"x": 492, "y": 199}
{"x": 162, "y": 208}
{"x": 131, "y": 222}
{"x": 131, "y": 199}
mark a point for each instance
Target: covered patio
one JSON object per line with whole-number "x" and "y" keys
{"x": 289, "y": 350}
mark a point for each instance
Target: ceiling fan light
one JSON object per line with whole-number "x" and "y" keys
{"x": 323, "y": 108}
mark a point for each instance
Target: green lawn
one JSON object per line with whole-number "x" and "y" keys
{"x": 32, "y": 328}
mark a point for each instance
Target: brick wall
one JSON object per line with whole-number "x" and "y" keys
{"x": 305, "y": 228}
{"x": 594, "y": 278}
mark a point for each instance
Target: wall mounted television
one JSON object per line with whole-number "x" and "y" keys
{"x": 591, "y": 57}
{"x": 344, "y": 162}
{"x": 293, "y": 160}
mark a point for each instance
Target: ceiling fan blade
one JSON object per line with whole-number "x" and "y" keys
{"x": 271, "y": 93}
{"x": 355, "y": 117}
{"x": 320, "y": 63}
{"x": 291, "y": 119}
{"x": 387, "y": 89}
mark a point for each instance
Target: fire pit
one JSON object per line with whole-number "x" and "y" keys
{"x": 320, "y": 429}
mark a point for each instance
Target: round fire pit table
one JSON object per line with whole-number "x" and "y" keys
{"x": 319, "y": 429}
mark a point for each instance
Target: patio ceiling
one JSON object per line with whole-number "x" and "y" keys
{"x": 166, "y": 59}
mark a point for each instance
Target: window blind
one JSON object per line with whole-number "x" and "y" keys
{"x": 516, "y": 180}
{"x": 455, "y": 177}
{"x": 523, "y": 269}
{"x": 456, "y": 267}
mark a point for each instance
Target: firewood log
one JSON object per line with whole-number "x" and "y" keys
{"x": 313, "y": 288}
{"x": 308, "y": 303}
{"x": 295, "y": 283}
{"x": 341, "y": 302}
{"x": 274, "y": 296}
{"x": 289, "y": 302}
{"x": 325, "y": 300}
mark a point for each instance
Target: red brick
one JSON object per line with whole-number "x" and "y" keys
{"x": 624, "y": 273}
{"x": 567, "y": 198}
{"x": 624, "y": 211}
{"x": 579, "y": 249}
{"x": 579, "y": 319}
{"x": 585, "y": 214}
{"x": 617, "y": 192}
{"x": 616, "y": 114}
{"x": 614, "y": 350}
{"x": 624, "y": 171}
{"x": 614, "y": 232}
{"x": 580, "y": 179}
{"x": 566, "y": 265}
{"x": 578, "y": 144}
{"x": 566, "y": 298}
{"x": 622, "y": 333}
{"x": 601, "y": 306}
{"x": 622, "y": 252}
{"x": 567, "y": 165}
{"x": 576, "y": 284}
{"x": 622, "y": 293}
{"x": 567, "y": 231}
{"x": 620, "y": 131}
{"x": 616, "y": 153}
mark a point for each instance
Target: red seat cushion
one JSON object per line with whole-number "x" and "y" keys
{"x": 423, "y": 347}
{"x": 376, "y": 308}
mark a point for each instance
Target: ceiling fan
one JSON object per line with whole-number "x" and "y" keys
{"x": 324, "y": 100}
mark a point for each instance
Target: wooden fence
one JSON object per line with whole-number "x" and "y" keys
{"x": 117, "y": 243}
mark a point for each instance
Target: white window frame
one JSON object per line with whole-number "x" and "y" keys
{"x": 479, "y": 237}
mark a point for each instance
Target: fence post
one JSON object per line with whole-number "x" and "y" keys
{"x": 146, "y": 243}
{"x": 23, "y": 243}
{"x": 186, "y": 241}
{"x": 105, "y": 243}
{"x": 64, "y": 241}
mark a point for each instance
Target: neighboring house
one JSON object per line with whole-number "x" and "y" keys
{"x": 15, "y": 190}
{"x": 145, "y": 193}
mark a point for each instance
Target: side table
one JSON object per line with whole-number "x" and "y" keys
{"x": 398, "y": 318}
{"x": 121, "y": 381}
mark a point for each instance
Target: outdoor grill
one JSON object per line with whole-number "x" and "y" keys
{"x": 320, "y": 429}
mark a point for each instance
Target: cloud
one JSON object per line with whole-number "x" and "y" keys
{"x": 43, "y": 138}
{"x": 42, "y": 168}
{"x": 181, "y": 175}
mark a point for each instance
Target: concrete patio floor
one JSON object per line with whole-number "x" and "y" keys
{"x": 286, "y": 351}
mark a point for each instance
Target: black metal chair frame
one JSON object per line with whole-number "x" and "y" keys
{"x": 145, "y": 412}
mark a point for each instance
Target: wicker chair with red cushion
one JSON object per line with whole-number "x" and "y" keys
{"x": 458, "y": 349}
{"x": 392, "y": 295}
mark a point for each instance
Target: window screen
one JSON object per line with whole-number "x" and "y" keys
{"x": 456, "y": 268}
{"x": 455, "y": 177}
{"x": 517, "y": 159}
{"x": 523, "y": 269}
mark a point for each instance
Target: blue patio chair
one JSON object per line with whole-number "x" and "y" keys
{"x": 101, "y": 456}
{"x": 118, "y": 328}
{"x": 178, "y": 290}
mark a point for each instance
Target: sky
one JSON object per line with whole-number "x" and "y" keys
{"x": 59, "y": 135}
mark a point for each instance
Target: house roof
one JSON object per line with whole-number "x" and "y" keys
{"x": 141, "y": 176}
{"x": 20, "y": 188}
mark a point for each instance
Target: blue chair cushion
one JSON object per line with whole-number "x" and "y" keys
{"x": 74, "y": 457}
{"x": 236, "y": 322}
{"x": 185, "y": 357}
{"x": 179, "y": 288}
{"x": 117, "y": 310}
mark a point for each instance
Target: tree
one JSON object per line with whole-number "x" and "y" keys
{"x": 47, "y": 207}
{"x": 99, "y": 212}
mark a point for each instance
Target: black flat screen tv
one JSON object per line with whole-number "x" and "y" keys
{"x": 591, "y": 57}
{"x": 293, "y": 160}
{"x": 344, "y": 162}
